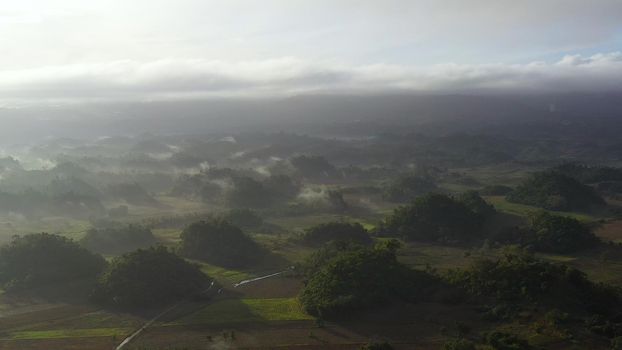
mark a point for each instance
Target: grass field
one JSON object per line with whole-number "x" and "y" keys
{"x": 247, "y": 310}
{"x": 119, "y": 333}
{"x": 501, "y": 204}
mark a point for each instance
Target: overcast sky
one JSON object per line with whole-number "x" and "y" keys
{"x": 77, "y": 50}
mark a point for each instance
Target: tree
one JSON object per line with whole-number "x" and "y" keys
{"x": 336, "y": 231}
{"x": 555, "y": 191}
{"x": 248, "y": 192}
{"x": 313, "y": 166}
{"x": 408, "y": 187}
{"x": 42, "y": 259}
{"x": 218, "y": 242}
{"x": 114, "y": 240}
{"x": 244, "y": 217}
{"x": 520, "y": 278}
{"x": 148, "y": 278}
{"x": 359, "y": 278}
{"x": 433, "y": 217}
{"x": 559, "y": 234}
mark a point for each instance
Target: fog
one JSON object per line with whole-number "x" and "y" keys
{"x": 365, "y": 175}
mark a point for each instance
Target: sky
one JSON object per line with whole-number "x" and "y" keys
{"x": 76, "y": 50}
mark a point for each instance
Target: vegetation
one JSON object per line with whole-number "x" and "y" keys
{"x": 148, "y": 278}
{"x": 360, "y": 278}
{"x": 313, "y": 167}
{"x": 495, "y": 190}
{"x": 336, "y": 231}
{"x": 408, "y": 187}
{"x": 244, "y": 217}
{"x": 559, "y": 234}
{"x": 120, "y": 239}
{"x": 521, "y": 279}
{"x": 589, "y": 174}
{"x": 38, "y": 260}
{"x": 437, "y": 217}
{"x": 555, "y": 191}
{"x": 218, "y": 242}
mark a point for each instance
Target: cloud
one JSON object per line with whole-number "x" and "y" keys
{"x": 187, "y": 78}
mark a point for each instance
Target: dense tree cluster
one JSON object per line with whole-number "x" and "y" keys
{"x": 555, "y": 191}
{"x": 313, "y": 167}
{"x": 408, "y": 187}
{"x": 559, "y": 234}
{"x": 550, "y": 233}
{"x": 590, "y": 174}
{"x": 437, "y": 217}
{"x": 148, "y": 278}
{"x": 119, "y": 239}
{"x": 249, "y": 192}
{"x": 521, "y": 278}
{"x": 357, "y": 278}
{"x": 218, "y": 242}
{"x": 132, "y": 193}
{"x": 495, "y": 190}
{"x": 37, "y": 260}
{"x": 244, "y": 217}
{"x": 336, "y": 231}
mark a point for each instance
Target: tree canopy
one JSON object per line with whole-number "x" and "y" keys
{"x": 358, "y": 278}
{"x": 114, "y": 240}
{"x": 42, "y": 259}
{"x": 408, "y": 187}
{"x": 437, "y": 217}
{"x": 336, "y": 231}
{"x": 148, "y": 278}
{"x": 555, "y": 191}
{"x": 218, "y": 242}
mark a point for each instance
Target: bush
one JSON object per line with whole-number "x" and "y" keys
{"x": 555, "y": 191}
{"x": 148, "y": 278}
{"x": 434, "y": 217}
{"x": 115, "y": 240}
{"x": 336, "y": 231}
{"x": 42, "y": 259}
{"x": 218, "y": 242}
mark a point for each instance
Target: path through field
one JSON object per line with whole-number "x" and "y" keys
{"x": 127, "y": 340}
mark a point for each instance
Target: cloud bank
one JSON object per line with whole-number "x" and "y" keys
{"x": 192, "y": 78}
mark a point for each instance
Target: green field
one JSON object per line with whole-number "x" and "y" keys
{"x": 246, "y": 310}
